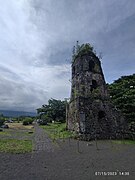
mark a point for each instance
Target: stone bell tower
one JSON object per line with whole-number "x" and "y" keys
{"x": 89, "y": 110}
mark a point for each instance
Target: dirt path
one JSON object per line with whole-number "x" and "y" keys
{"x": 42, "y": 142}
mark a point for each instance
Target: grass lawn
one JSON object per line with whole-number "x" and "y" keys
{"x": 15, "y": 146}
{"x": 16, "y": 139}
{"x": 57, "y": 130}
{"x": 3, "y": 133}
{"x": 123, "y": 141}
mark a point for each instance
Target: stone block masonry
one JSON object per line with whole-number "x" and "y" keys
{"x": 90, "y": 111}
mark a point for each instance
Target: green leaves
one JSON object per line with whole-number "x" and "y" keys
{"x": 27, "y": 121}
{"x": 55, "y": 110}
{"x": 79, "y": 50}
{"x": 122, "y": 93}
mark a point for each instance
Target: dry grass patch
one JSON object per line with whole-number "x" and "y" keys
{"x": 19, "y": 126}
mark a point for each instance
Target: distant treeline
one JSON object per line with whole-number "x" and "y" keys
{"x": 8, "y": 113}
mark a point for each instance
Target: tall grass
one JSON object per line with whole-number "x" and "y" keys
{"x": 57, "y": 130}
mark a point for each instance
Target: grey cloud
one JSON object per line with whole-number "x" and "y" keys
{"x": 20, "y": 96}
{"x": 36, "y": 45}
{"x": 96, "y": 22}
{"x": 6, "y": 72}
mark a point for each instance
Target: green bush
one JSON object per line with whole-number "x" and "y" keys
{"x": 30, "y": 121}
{"x": 27, "y": 121}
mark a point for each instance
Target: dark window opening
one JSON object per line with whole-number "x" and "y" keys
{"x": 91, "y": 65}
{"x": 101, "y": 114}
{"x": 94, "y": 85}
{"x": 72, "y": 93}
{"x": 73, "y": 70}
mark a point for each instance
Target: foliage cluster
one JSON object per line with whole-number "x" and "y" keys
{"x": 122, "y": 93}
{"x": 55, "y": 110}
{"x": 27, "y": 121}
{"x": 79, "y": 50}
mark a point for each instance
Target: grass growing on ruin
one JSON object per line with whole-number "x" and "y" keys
{"x": 57, "y": 130}
{"x": 15, "y": 146}
{"x": 123, "y": 141}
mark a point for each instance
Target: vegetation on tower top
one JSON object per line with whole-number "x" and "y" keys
{"x": 79, "y": 50}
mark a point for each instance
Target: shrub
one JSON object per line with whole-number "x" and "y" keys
{"x": 27, "y": 121}
{"x": 30, "y": 121}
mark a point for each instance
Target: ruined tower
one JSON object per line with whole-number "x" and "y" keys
{"x": 89, "y": 111}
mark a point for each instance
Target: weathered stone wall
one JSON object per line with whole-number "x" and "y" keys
{"x": 90, "y": 111}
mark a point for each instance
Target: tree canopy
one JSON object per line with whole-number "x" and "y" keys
{"x": 55, "y": 110}
{"x": 122, "y": 93}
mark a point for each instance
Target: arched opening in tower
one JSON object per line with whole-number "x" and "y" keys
{"x": 94, "y": 85}
{"x": 91, "y": 66}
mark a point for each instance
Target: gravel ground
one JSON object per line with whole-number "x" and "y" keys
{"x": 68, "y": 160}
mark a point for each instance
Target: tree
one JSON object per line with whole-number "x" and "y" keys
{"x": 55, "y": 110}
{"x": 122, "y": 93}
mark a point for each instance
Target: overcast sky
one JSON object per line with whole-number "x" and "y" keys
{"x": 36, "y": 40}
